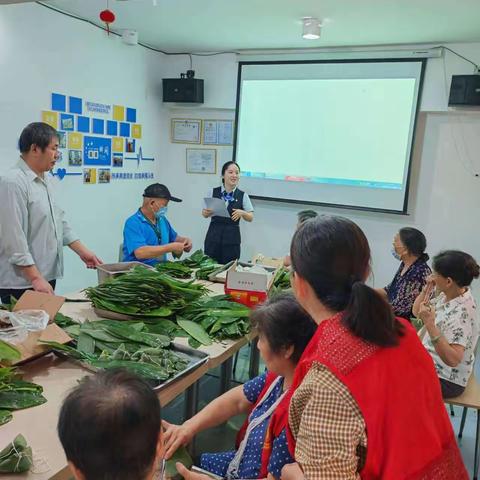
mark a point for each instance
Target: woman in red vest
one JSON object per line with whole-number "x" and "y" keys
{"x": 366, "y": 402}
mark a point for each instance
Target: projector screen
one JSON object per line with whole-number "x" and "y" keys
{"x": 335, "y": 133}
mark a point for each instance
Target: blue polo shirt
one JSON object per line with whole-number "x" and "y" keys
{"x": 138, "y": 232}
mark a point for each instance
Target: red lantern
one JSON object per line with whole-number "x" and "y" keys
{"x": 108, "y": 17}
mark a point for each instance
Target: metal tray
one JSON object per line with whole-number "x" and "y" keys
{"x": 195, "y": 359}
{"x": 107, "y": 270}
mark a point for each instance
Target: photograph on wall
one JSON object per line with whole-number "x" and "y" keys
{"x": 62, "y": 139}
{"x": 129, "y": 145}
{"x": 75, "y": 158}
{"x": 104, "y": 175}
{"x": 89, "y": 175}
{"x": 118, "y": 160}
{"x": 66, "y": 122}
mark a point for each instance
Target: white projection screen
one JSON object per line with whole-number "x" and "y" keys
{"x": 336, "y": 133}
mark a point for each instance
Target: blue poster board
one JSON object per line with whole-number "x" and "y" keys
{"x": 83, "y": 124}
{"x": 59, "y": 102}
{"x": 66, "y": 122}
{"x": 97, "y": 151}
{"x": 75, "y": 105}
{"x": 98, "y": 126}
{"x": 112, "y": 128}
{"x": 124, "y": 129}
{"x": 132, "y": 115}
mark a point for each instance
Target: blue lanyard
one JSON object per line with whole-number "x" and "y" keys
{"x": 158, "y": 233}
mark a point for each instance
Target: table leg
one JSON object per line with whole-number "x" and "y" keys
{"x": 475, "y": 466}
{"x": 225, "y": 375}
{"x": 191, "y": 400}
{"x": 462, "y": 424}
{"x": 191, "y": 404}
{"x": 254, "y": 359}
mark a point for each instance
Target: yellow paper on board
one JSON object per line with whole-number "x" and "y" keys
{"x": 136, "y": 130}
{"x": 117, "y": 144}
{"x": 119, "y": 113}
{"x": 89, "y": 176}
{"x": 51, "y": 118}
{"x": 75, "y": 141}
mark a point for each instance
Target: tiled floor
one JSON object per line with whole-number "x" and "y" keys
{"x": 223, "y": 437}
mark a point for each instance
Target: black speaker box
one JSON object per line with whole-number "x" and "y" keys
{"x": 183, "y": 90}
{"x": 465, "y": 90}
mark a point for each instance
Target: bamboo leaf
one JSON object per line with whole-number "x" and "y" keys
{"x": 13, "y": 400}
{"x": 195, "y": 330}
{"x": 5, "y": 416}
{"x": 8, "y": 352}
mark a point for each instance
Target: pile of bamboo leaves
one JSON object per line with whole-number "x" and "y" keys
{"x": 166, "y": 306}
{"x": 198, "y": 260}
{"x": 15, "y": 394}
{"x": 174, "y": 269}
{"x": 144, "y": 293}
{"x": 120, "y": 344}
{"x": 213, "y": 319}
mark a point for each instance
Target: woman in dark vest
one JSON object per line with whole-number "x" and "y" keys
{"x": 223, "y": 237}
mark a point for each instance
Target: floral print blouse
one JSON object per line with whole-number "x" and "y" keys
{"x": 404, "y": 289}
{"x": 458, "y": 323}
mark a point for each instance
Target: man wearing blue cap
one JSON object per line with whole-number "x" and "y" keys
{"x": 148, "y": 235}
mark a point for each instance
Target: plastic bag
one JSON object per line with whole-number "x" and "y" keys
{"x": 32, "y": 320}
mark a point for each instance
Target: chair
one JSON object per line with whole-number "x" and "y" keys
{"x": 120, "y": 253}
{"x": 470, "y": 398}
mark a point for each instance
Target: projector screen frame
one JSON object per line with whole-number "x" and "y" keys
{"x": 404, "y": 211}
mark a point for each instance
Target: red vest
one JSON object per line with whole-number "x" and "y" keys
{"x": 409, "y": 434}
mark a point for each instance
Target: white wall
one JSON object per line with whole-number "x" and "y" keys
{"x": 43, "y": 52}
{"x": 444, "y": 197}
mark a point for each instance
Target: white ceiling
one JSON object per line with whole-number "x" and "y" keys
{"x": 214, "y": 25}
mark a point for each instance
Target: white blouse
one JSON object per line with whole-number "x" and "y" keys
{"x": 457, "y": 320}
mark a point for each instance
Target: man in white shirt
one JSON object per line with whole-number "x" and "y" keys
{"x": 33, "y": 230}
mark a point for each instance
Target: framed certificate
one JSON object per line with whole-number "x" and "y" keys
{"x": 225, "y": 132}
{"x": 186, "y": 130}
{"x": 201, "y": 160}
{"x": 217, "y": 132}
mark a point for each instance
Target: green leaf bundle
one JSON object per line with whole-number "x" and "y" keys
{"x": 143, "y": 292}
{"x": 16, "y": 457}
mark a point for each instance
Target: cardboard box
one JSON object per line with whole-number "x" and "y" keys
{"x": 30, "y": 348}
{"x": 264, "y": 261}
{"x": 249, "y": 288}
{"x": 32, "y": 300}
